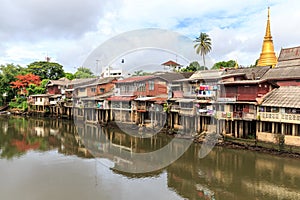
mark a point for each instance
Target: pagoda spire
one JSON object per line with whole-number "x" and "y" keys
{"x": 267, "y": 56}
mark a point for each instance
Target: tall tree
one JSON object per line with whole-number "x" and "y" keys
{"x": 83, "y": 72}
{"x": 7, "y": 75}
{"x": 69, "y": 76}
{"x": 203, "y": 45}
{"x": 46, "y": 70}
{"x": 23, "y": 81}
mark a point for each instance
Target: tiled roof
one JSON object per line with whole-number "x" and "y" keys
{"x": 98, "y": 81}
{"x": 62, "y": 81}
{"x": 82, "y": 81}
{"x": 135, "y": 79}
{"x": 169, "y": 76}
{"x": 283, "y": 73}
{"x": 286, "y": 96}
{"x": 289, "y": 57}
{"x": 253, "y": 73}
{"x": 171, "y": 63}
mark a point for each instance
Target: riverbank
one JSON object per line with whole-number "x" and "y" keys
{"x": 262, "y": 147}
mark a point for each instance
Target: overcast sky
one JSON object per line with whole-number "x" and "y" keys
{"x": 69, "y": 30}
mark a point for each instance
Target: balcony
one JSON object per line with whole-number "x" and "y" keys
{"x": 187, "y": 111}
{"x": 280, "y": 117}
{"x": 175, "y": 108}
{"x": 237, "y": 115}
{"x": 53, "y": 102}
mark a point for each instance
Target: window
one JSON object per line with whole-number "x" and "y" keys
{"x": 82, "y": 90}
{"x": 93, "y": 89}
{"x": 102, "y": 90}
{"x": 151, "y": 85}
{"x": 141, "y": 87}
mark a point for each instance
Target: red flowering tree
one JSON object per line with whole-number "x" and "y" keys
{"x": 23, "y": 81}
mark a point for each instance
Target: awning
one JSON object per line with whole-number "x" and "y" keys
{"x": 121, "y": 98}
{"x": 144, "y": 98}
{"x": 55, "y": 96}
{"x": 69, "y": 90}
{"x": 185, "y": 100}
{"x": 202, "y": 101}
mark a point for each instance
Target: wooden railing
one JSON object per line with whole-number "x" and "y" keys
{"x": 175, "y": 108}
{"x": 187, "y": 111}
{"x": 237, "y": 115}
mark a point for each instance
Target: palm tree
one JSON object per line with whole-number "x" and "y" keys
{"x": 203, "y": 45}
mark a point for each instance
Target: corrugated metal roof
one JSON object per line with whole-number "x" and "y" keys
{"x": 206, "y": 74}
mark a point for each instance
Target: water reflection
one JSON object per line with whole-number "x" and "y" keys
{"x": 231, "y": 174}
{"x": 19, "y": 135}
{"x": 222, "y": 174}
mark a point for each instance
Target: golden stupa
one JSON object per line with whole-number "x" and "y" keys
{"x": 267, "y": 56}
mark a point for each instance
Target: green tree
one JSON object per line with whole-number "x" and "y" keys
{"x": 46, "y": 70}
{"x": 7, "y": 75}
{"x": 224, "y": 64}
{"x": 38, "y": 89}
{"x": 69, "y": 76}
{"x": 83, "y": 72}
{"x": 203, "y": 45}
{"x": 140, "y": 73}
{"x": 193, "y": 66}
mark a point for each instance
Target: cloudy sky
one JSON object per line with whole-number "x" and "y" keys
{"x": 69, "y": 31}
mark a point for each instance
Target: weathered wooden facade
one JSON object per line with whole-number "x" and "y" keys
{"x": 249, "y": 103}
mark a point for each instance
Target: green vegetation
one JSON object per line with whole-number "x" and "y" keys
{"x": 19, "y": 103}
{"x": 193, "y": 66}
{"x": 224, "y": 64}
{"x": 46, "y": 70}
{"x": 140, "y": 73}
{"x": 83, "y": 72}
{"x": 203, "y": 45}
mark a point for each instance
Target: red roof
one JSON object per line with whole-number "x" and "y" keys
{"x": 135, "y": 79}
{"x": 171, "y": 63}
{"x": 121, "y": 98}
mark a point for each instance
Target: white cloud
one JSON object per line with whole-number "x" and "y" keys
{"x": 69, "y": 30}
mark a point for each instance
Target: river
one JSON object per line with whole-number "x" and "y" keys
{"x": 45, "y": 159}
